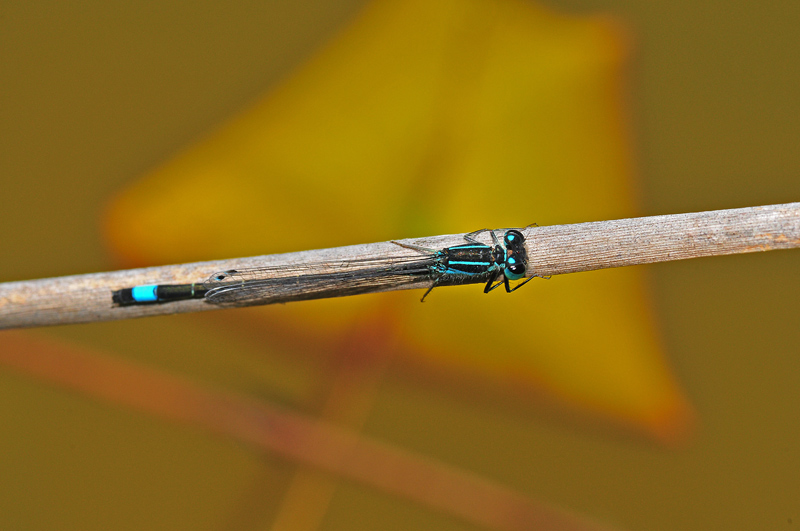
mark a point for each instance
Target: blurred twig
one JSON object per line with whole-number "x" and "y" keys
{"x": 552, "y": 250}
{"x": 306, "y": 440}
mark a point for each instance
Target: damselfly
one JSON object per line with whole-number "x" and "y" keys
{"x": 470, "y": 263}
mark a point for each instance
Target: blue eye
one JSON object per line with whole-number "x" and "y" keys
{"x": 513, "y": 238}
{"x": 513, "y": 269}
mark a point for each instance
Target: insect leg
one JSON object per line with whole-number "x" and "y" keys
{"x": 471, "y": 236}
{"x": 489, "y": 286}
{"x": 435, "y": 282}
{"x": 515, "y": 288}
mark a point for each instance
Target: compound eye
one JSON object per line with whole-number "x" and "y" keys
{"x": 513, "y": 237}
{"x": 514, "y": 270}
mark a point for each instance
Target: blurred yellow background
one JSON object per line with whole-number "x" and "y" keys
{"x": 93, "y": 96}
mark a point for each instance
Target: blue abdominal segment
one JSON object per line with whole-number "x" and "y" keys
{"x": 144, "y": 293}
{"x": 157, "y": 294}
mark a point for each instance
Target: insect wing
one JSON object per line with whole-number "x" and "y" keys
{"x": 267, "y": 285}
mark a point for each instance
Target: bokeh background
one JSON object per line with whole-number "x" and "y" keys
{"x": 93, "y": 96}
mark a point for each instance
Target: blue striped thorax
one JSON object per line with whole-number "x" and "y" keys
{"x": 477, "y": 262}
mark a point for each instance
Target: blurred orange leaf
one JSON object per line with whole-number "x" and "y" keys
{"x": 434, "y": 117}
